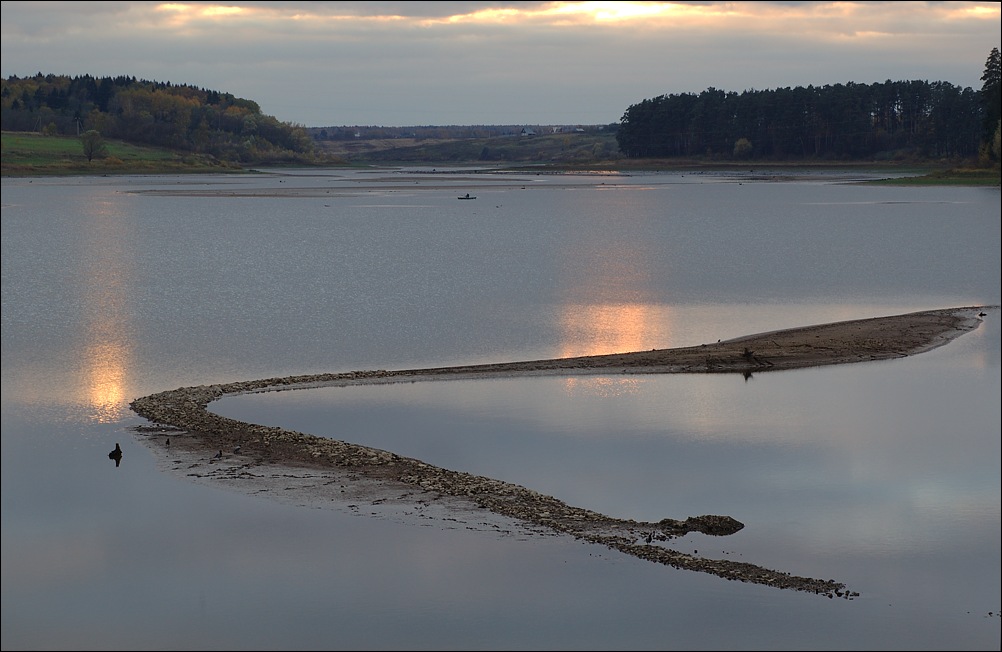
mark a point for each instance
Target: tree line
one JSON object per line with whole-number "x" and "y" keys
{"x": 175, "y": 116}
{"x": 880, "y": 121}
{"x": 889, "y": 120}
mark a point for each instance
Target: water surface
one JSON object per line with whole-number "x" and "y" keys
{"x": 885, "y": 476}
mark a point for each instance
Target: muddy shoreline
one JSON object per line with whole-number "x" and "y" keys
{"x": 330, "y": 466}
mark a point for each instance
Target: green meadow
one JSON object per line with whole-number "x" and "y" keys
{"x": 32, "y": 154}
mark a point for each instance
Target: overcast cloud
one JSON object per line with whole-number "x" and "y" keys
{"x": 463, "y": 63}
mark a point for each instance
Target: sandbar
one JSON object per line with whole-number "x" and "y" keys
{"x": 330, "y": 469}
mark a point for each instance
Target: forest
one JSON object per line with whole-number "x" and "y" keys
{"x": 162, "y": 114}
{"x": 880, "y": 121}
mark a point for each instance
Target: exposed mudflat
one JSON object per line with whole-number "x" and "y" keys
{"x": 304, "y": 468}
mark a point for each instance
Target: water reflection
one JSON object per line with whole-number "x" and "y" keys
{"x": 105, "y": 362}
{"x": 107, "y": 273}
{"x": 607, "y": 306}
{"x": 588, "y": 329}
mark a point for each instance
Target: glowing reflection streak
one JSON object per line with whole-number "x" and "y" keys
{"x": 605, "y": 310}
{"x": 107, "y": 351}
{"x": 611, "y": 328}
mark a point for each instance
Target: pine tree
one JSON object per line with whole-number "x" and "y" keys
{"x": 991, "y": 96}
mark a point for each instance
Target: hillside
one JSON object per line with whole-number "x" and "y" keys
{"x": 184, "y": 119}
{"x": 567, "y": 148}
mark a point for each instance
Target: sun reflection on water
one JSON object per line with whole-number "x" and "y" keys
{"x": 107, "y": 351}
{"x": 611, "y": 328}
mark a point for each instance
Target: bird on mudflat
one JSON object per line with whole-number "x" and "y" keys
{"x": 217, "y": 455}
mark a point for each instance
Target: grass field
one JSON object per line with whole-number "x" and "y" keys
{"x": 29, "y": 154}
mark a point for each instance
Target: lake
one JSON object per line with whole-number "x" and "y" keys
{"x": 885, "y": 476}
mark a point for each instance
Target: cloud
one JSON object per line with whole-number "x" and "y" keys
{"x": 410, "y": 63}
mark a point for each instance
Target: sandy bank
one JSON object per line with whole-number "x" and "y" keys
{"x": 331, "y": 470}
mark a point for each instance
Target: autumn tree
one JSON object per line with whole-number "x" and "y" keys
{"x": 93, "y": 144}
{"x": 742, "y": 148}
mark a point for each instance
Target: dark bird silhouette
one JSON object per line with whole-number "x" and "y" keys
{"x": 217, "y": 455}
{"x": 116, "y": 455}
{"x": 236, "y": 449}
{"x": 168, "y": 442}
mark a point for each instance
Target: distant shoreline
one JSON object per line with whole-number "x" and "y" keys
{"x": 28, "y": 154}
{"x": 182, "y": 414}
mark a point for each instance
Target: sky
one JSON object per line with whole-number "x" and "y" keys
{"x": 398, "y": 64}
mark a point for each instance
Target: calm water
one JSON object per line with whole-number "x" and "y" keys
{"x": 885, "y": 476}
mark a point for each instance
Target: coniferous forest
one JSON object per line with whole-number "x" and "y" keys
{"x": 904, "y": 119}
{"x": 840, "y": 122}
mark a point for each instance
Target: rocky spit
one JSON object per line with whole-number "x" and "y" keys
{"x": 184, "y": 410}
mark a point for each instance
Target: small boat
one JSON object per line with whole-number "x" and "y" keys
{"x": 466, "y": 197}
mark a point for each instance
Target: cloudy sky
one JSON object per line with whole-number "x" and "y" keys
{"x": 464, "y": 63}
